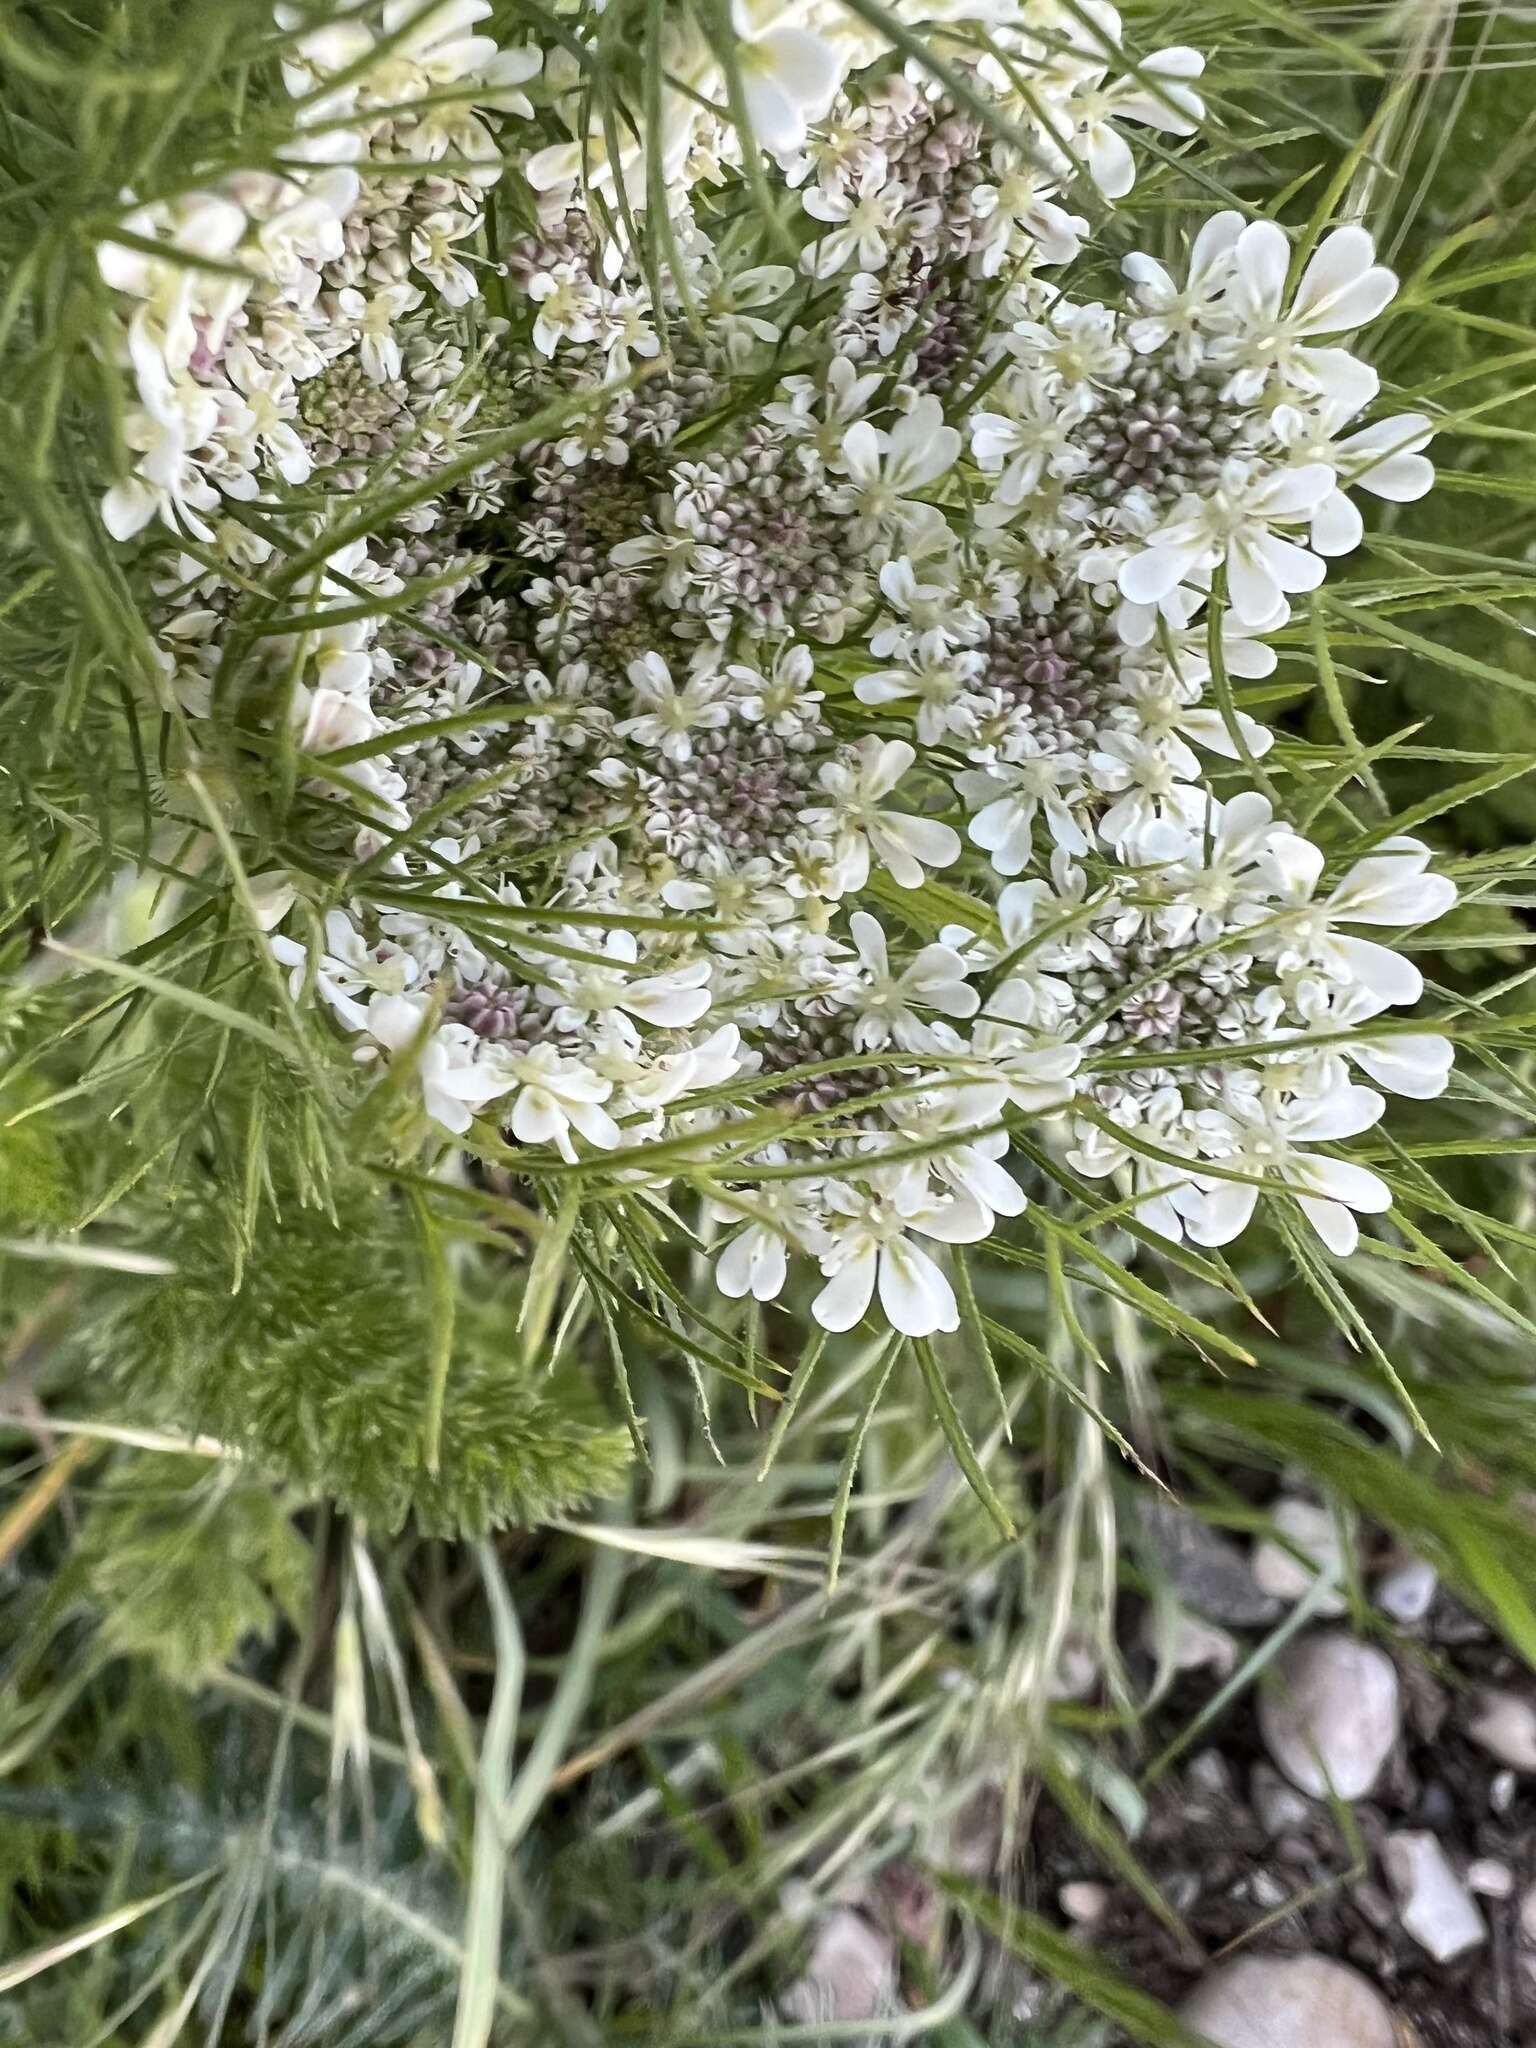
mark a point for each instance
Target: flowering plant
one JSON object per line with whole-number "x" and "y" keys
{"x": 748, "y": 735}
{"x": 766, "y": 706}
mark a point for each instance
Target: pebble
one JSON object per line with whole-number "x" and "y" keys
{"x": 851, "y": 1974}
{"x": 1076, "y": 1673}
{"x": 1373, "y": 1903}
{"x": 1211, "y": 1774}
{"x": 1181, "y": 1888}
{"x": 1277, "y": 1807}
{"x": 1490, "y": 1879}
{"x": 1315, "y": 1533}
{"x": 1330, "y": 1713}
{"x": 1084, "y": 1902}
{"x": 1188, "y": 1642}
{"x": 1452, "y": 1622}
{"x": 1288, "y": 2002}
{"x": 1528, "y": 1914}
{"x": 1505, "y": 1725}
{"x": 1208, "y": 1571}
{"x": 1434, "y": 1905}
{"x": 1502, "y": 1792}
{"x": 1437, "y": 1805}
{"x": 1406, "y": 1592}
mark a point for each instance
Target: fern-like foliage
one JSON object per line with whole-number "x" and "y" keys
{"x": 314, "y": 1357}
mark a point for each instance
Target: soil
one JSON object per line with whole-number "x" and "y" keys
{"x": 1253, "y": 1867}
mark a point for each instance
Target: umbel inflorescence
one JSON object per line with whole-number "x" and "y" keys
{"x": 721, "y": 587}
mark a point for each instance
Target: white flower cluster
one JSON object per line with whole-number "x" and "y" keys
{"x": 734, "y": 599}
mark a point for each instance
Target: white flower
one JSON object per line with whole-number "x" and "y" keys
{"x": 1390, "y": 887}
{"x": 788, "y": 73}
{"x": 167, "y": 480}
{"x": 455, "y": 1085}
{"x": 1342, "y": 287}
{"x": 306, "y": 231}
{"x": 430, "y": 46}
{"x": 886, "y": 470}
{"x": 1267, "y": 1136}
{"x": 1225, "y": 878}
{"x": 1032, "y": 439}
{"x": 1157, "y": 805}
{"x": 863, "y": 218}
{"x": 731, "y": 307}
{"x": 1412, "y": 1063}
{"x": 432, "y": 254}
{"x": 180, "y": 305}
{"x": 273, "y": 404}
{"x": 1010, "y": 794}
{"x": 870, "y": 1248}
{"x": 1017, "y": 211}
{"x": 374, "y": 316}
{"x": 888, "y": 1004}
{"x": 935, "y": 675}
{"x": 1079, "y": 348}
{"x": 1036, "y": 1072}
{"x": 1236, "y": 526}
{"x": 755, "y": 1262}
{"x": 782, "y": 701}
{"x": 928, "y": 612}
{"x": 1165, "y": 101}
{"x": 1384, "y": 458}
{"x": 348, "y": 967}
{"x": 604, "y": 984}
{"x": 669, "y": 1076}
{"x": 960, "y": 1124}
{"x": 1181, "y": 314}
{"x": 568, "y": 307}
{"x": 556, "y": 1094}
{"x": 904, "y": 845}
{"x": 626, "y": 330}
{"x": 670, "y": 716}
{"x": 780, "y": 1219}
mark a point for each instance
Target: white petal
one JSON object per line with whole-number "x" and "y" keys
{"x": 1337, "y": 528}
{"x": 662, "y": 1002}
{"x": 869, "y": 937}
{"x": 777, "y": 121}
{"x": 847, "y": 1295}
{"x": 1208, "y": 729}
{"x": 1342, "y": 1113}
{"x": 1148, "y": 578}
{"x": 1333, "y": 1223}
{"x": 594, "y": 1124}
{"x": 1219, "y": 1214}
{"x": 1401, "y": 478}
{"x": 1343, "y": 286}
{"x": 1297, "y": 864}
{"x": 1111, "y": 164}
{"x": 992, "y": 1185}
{"x": 1263, "y": 256}
{"x": 805, "y": 65}
{"x": 1417, "y": 1064}
{"x": 916, "y": 1297}
{"x": 1390, "y": 976}
{"x": 754, "y": 1264}
{"x": 861, "y": 452}
{"x": 1251, "y": 584}
{"x": 537, "y": 1119}
{"x": 127, "y": 508}
{"x": 1390, "y": 887}
{"x": 908, "y": 845}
